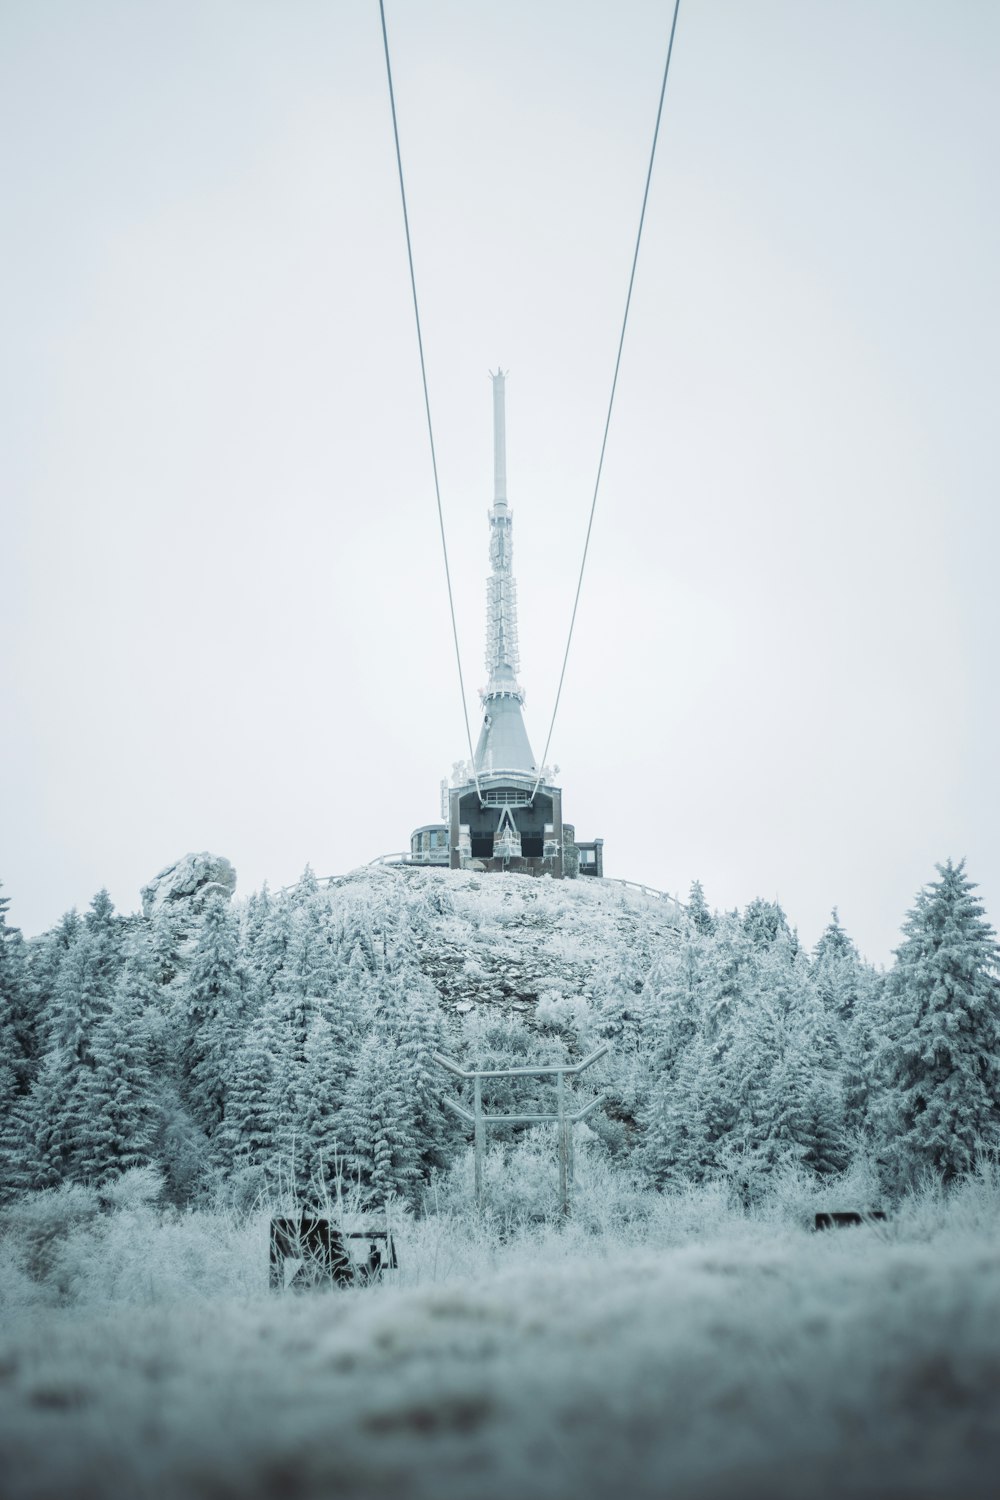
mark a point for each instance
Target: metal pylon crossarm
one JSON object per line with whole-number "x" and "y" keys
{"x": 543, "y": 1068}
{"x": 565, "y": 1121}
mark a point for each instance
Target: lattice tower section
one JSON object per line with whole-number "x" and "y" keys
{"x": 502, "y": 658}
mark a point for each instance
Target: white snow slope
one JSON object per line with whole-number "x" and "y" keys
{"x": 743, "y": 1359}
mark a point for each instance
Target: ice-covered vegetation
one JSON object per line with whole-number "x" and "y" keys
{"x": 168, "y": 1082}
{"x": 669, "y": 1344}
{"x": 275, "y": 1048}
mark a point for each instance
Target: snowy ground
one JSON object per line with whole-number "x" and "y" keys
{"x": 741, "y": 1358}
{"x": 504, "y": 944}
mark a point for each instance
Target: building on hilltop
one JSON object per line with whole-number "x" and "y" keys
{"x": 504, "y": 812}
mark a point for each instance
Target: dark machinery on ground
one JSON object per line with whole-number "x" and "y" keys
{"x": 327, "y": 1256}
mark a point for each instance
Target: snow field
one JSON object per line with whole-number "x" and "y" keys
{"x": 752, "y": 1359}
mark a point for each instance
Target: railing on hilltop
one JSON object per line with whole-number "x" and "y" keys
{"x": 646, "y": 890}
{"x": 405, "y": 859}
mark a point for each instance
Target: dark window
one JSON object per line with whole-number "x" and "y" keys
{"x": 482, "y": 846}
{"x": 532, "y": 845}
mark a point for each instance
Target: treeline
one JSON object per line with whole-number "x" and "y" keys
{"x": 760, "y": 1052}
{"x": 284, "y": 1043}
{"x": 273, "y": 1044}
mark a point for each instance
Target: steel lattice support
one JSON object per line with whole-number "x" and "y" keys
{"x": 564, "y": 1120}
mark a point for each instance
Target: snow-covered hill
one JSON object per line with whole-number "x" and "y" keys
{"x": 508, "y": 940}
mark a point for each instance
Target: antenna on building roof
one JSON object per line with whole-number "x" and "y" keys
{"x": 499, "y": 438}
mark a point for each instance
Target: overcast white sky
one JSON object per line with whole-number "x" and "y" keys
{"x": 223, "y": 613}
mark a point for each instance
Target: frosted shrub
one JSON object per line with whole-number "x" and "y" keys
{"x": 694, "y": 1212}
{"x": 36, "y": 1230}
{"x": 967, "y": 1208}
{"x": 243, "y": 1191}
{"x": 519, "y": 1184}
{"x": 521, "y": 1191}
{"x": 134, "y": 1189}
{"x": 568, "y": 1013}
{"x": 789, "y": 1193}
{"x": 143, "y": 1256}
{"x": 73, "y": 1245}
{"x": 975, "y": 1202}
{"x": 857, "y": 1187}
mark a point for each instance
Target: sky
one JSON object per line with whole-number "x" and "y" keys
{"x": 222, "y": 598}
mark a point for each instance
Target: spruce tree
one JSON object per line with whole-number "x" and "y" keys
{"x": 378, "y": 1122}
{"x": 247, "y": 1136}
{"x": 782, "y": 1064}
{"x": 764, "y": 923}
{"x": 324, "y": 1078}
{"x": 862, "y": 1071}
{"x": 125, "y": 1099}
{"x": 693, "y": 1016}
{"x": 941, "y": 1056}
{"x": 421, "y": 1034}
{"x": 268, "y": 927}
{"x": 210, "y": 1004}
{"x": 60, "y": 1111}
{"x": 697, "y": 911}
{"x": 393, "y": 1123}
{"x": 18, "y": 1030}
{"x": 17, "y": 1047}
{"x": 677, "y": 1144}
{"x": 838, "y": 971}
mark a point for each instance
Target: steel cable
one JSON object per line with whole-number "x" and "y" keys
{"x": 427, "y": 400}
{"x": 611, "y": 400}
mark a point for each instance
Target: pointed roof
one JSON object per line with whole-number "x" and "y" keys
{"x": 503, "y": 742}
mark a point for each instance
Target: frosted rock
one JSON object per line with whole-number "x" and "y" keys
{"x": 193, "y": 878}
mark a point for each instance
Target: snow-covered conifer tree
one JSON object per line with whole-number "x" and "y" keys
{"x": 378, "y": 1122}
{"x": 764, "y": 922}
{"x": 319, "y": 1143}
{"x": 862, "y": 1069}
{"x": 60, "y": 1109}
{"x": 266, "y": 937}
{"x": 303, "y": 989}
{"x": 941, "y": 1056}
{"x": 17, "y": 1049}
{"x": 677, "y": 1141}
{"x": 393, "y": 1123}
{"x": 779, "y": 1067}
{"x": 691, "y": 1001}
{"x": 848, "y": 990}
{"x": 836, "y": 966}
{"x": 248, "y": 1135}
{"x": 209, "y": 1004}
{"x": 420, "y": 1032}
{"x": 125, "y": 1099}
{"x": 697, "y": 912}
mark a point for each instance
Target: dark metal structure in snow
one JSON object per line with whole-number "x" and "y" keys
{"x": 321, "y": 1254}
{"x": 504, "y": 812}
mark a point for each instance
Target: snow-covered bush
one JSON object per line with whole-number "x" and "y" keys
{"x": 75, "y": 1245}
{"x": 38, "y": 1229}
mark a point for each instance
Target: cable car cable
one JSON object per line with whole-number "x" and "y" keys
{"x": 427, "y": 400}
{"x": 611, "y": 400}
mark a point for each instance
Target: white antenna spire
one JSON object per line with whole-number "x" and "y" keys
{"x": 503, "y": 743}
{"x": 499, "y": 439}
{"x": 501, "y": 600}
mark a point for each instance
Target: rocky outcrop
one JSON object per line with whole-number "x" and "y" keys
{"x": 508, "y": 941}
{"x": 191, "y": 879}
